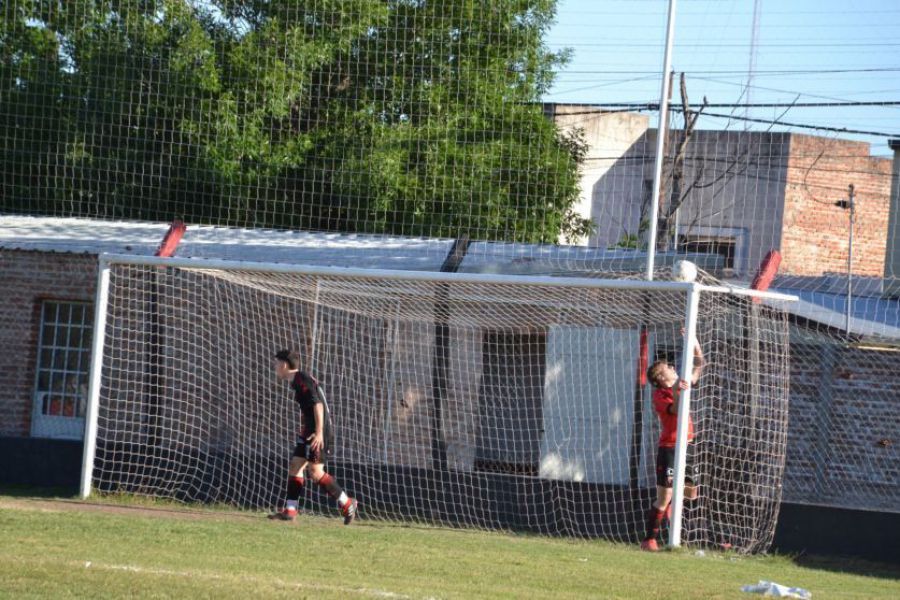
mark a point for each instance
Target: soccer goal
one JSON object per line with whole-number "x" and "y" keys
{"x": 467, "y": 400}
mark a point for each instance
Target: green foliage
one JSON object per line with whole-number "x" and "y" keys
{"x": 384, "y": 116}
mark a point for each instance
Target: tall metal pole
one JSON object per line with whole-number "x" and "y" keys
{"x": 692, "y": 307}
{"x": 93, "y": 408}
{"x": 852, "y": 207}
{"x": 660, "y": 142}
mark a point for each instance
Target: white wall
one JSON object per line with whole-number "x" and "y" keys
{"x": 739, "y": 191}
{"x": 609, "y": 137}
{"x": 588, "y": 405}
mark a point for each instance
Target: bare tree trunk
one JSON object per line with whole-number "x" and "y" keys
{"x": 676, "y": 196}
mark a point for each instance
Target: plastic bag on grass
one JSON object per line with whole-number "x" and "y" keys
{"x": 776, "y": 590}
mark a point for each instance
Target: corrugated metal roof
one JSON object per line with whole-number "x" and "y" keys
{"x": 870, "y": 315}
{"x": 91, "y": 236}
{"x": 94, "y": 236}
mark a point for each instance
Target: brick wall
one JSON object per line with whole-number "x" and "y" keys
{"x": 764, "y": 190}
{"x": 843, "y": 400}
{"x": 814, "y": 231}
{"x": 843, "y": 448}
{"x": 27, "y": 279}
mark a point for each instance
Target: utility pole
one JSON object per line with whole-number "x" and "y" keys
{"x": 850, "y": 204}
{"x": 660, "y": 141}
{"x": 751, "y": 68}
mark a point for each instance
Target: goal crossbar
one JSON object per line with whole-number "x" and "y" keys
{"x": 435, "y": 276}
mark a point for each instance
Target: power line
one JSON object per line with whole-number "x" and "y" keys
{"x": 631, "y": 13}
{"x": 800, "y": 125}
{"x": 771, "y": 178}
{"x": 655, "y": 106}
{"x": 781, "y": 91}
{"x": 606, "y": 108}
{"x": 768, "y": 163}
{"x": 735, "y": 72}
{"x": 655, "y": 46}
{"x": 656, "y": 29}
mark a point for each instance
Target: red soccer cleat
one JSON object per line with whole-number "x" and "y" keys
{"x": 284, "y": 515}
{"x": 650, "y": 545}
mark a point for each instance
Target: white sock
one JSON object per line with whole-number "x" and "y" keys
{"x": 292, "y": 505}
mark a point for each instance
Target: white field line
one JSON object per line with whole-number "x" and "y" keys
{"x": 242, "y": 578}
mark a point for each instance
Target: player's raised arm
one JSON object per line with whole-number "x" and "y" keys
{"x": 699, "y": 362}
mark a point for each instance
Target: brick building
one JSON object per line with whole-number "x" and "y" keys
{"x": 814, "y": 231}
{"x": 37, "y": 289}
{"x": 744, "y": 193}
{"x": 49, "y": 271}
{"x": 841, "y": 452}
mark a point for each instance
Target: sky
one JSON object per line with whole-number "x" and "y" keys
{"x": 803, "y": 51}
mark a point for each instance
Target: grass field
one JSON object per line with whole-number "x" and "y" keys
{"x": 62, "y": 548}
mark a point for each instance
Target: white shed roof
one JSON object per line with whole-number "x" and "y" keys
{"x": 871, "y": 316}
{"x": 94, "y": 236}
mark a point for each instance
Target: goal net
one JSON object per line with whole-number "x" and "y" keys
{"x": 392, "y": 124}
{"x": 464, "y": 400}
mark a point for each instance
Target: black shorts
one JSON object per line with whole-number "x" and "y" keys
{"x": 304, "y": 450}
{"x": 665, "y": 467}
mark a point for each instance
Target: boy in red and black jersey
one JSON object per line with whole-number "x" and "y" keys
{"x": 306, "y": 395}
{"x": 668, "y": 386}
{"x": 314, "y": 441}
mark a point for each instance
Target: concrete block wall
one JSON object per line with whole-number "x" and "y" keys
{"x": 843, "y": 445}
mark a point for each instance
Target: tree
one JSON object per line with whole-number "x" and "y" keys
{"x": 675, "y": 178}
{"x": 121, "y": 80}
{"x": 386, "y": 116}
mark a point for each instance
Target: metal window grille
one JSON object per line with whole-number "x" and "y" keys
{"x": 63, "y": 367}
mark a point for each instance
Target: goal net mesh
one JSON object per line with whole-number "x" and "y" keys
{"x": 398, "y": 126}
{"x": 483, "y": 404}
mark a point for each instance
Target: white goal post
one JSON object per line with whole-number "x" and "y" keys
{"x": 474, "y": 400}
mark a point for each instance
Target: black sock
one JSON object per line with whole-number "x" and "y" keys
{"x": 331, "y": 486}
{"x": 294, "y": 487}
{"x": 654, "y": 520}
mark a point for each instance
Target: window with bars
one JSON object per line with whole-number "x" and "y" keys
{"x": 64, "y": 356}
{"x": 726, "y": 247}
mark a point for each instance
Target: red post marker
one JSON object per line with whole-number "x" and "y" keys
{"x": 643, "y": 359}
{"x": 171, "y": 239}
{"x": 767, "y": 270}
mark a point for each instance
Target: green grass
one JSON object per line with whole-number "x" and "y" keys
{"x": 65, "y": 549}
